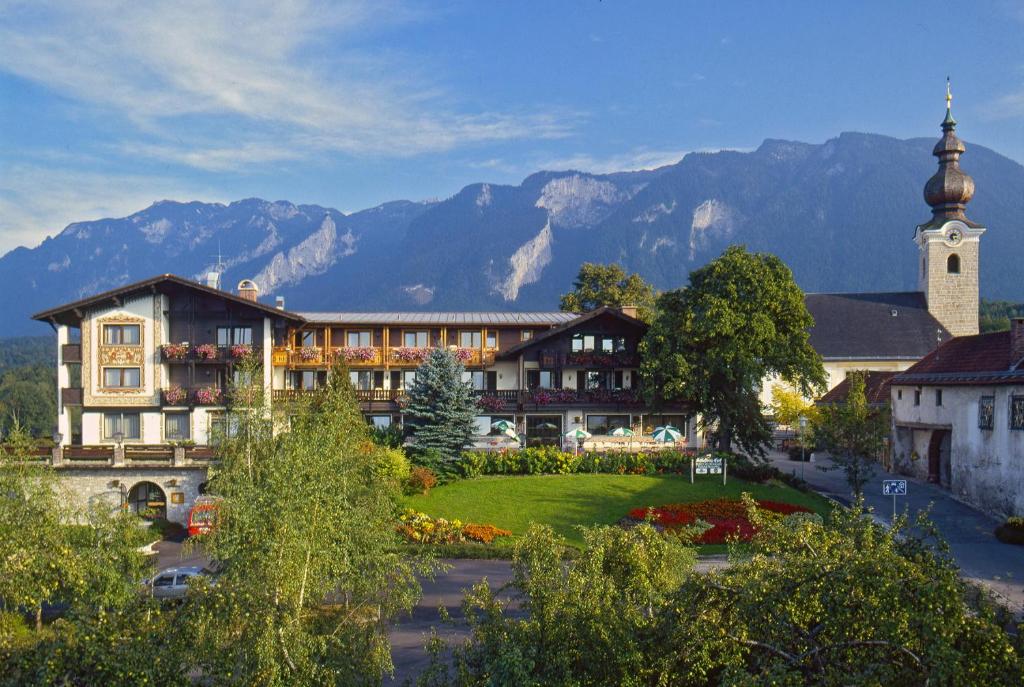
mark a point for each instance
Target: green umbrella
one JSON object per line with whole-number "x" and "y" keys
{"x": 503, "y": 426}
{"x": 510, "y": 432}
{"x": 578, "y": 435}
{"x": 667, "y": 434}
{"x": 621, "y": 432}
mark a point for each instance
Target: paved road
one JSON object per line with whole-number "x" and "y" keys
{"x": 982, "y": 558}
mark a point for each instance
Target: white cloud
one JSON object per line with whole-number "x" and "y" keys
{"x": 295, "y": 74}
{"x": 637, "y": 159}
{"x": 37, "y": 201}
{"x": 1009, "y": 106}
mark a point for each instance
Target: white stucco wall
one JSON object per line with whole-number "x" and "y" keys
{"x": 95, "y": 485}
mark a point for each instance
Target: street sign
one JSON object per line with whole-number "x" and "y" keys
{"x": 894, "y": 487}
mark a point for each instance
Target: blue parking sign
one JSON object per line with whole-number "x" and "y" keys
{"x": 894, "y": 487}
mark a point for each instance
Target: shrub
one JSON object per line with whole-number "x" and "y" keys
{"x": 423, "y": 529}
{"x": 421, "y": 480}
{"x": 394, "y": 465}
{"x": 471, "y": 464}
{"x": 541, "y": 460}
{"x": 1011, "y": 531}
{"x": 390, "y": 436}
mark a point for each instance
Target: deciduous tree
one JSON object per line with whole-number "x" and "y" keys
{"x": 597, "y": 285}
{"x": 853, "y": 433}
{"x": 741, "y": 320}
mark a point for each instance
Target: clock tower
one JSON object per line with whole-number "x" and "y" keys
{"x": 949, "y": 242}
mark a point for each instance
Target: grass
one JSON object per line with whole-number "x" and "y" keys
{"x": 566, "y": 501}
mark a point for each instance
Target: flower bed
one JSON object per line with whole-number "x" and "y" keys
{"x": 175, "y": 351}
{"x": 423, "y": 529}
{"x": 726, "y": 518}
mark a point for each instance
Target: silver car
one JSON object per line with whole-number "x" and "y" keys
{"x": 172, "y": 583}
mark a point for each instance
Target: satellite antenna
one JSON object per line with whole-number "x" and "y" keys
{"x": 213, "y": 276}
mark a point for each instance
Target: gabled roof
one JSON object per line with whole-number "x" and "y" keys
{"x": 576, "y": 321}
{"x": 66, "y": 314}
{"x": 982, "y": 359}
{"x": 442, "y": 318}
{"x": 876, "y": 389}
{"x": 873, "y": 326}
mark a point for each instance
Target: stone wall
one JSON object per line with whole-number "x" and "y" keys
{"x": 89, "y": 485}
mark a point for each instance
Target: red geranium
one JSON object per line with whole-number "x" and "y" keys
{"x": 727, "y": 517}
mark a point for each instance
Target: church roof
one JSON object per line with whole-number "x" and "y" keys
{"x": 873, "y": 326}
{"x": 981, "y": 359}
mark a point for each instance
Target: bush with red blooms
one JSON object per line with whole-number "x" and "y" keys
{"x": 727, "y": 517}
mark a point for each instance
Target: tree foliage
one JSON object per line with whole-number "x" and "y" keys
{"x": 741, "y": 320}
{"x": 994, "y": 316}
{"x": 311, "y": 569}
{"x": 854, "y": 433}
{"x": 597, "y": 285}
{"x": 847, "y": 603}
{"x": 442, "y": 409}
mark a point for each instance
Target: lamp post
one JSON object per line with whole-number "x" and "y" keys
{"x": 803, "y": 458}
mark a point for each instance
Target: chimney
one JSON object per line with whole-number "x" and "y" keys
{"x": 213, "y": 279}
{"x": 1016, "y": 340}
{"x": 279, "y": 302}
{"x": 630, "y": 311}
{"x": 248, "y": 290}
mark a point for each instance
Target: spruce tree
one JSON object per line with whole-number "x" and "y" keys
{"x": 442, "y": 409}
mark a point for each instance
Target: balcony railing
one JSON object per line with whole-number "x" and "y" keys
{"x": 198, "y": 396}
{"x": 366, "y": 395}
{"x": 71, "y": 353}
{"x": 592, "y": 359}
{"x": 208, "y": 353}
{"x": 373, "y": 356}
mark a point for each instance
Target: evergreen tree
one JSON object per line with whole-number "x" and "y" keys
{"x": 441, "y": 408}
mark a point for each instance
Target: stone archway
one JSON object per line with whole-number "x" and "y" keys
{"x": 148, "y": 500}
{"x": 939, "y": 468}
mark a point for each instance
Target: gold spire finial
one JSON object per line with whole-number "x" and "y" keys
{"x": 949, "y": 96}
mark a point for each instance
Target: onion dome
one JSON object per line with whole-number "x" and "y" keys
{"x": 950, "y": 189}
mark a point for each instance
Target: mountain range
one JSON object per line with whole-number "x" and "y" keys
{"x": 841, "y": 213}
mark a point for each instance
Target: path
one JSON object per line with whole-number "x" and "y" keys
{"x": 982, "y": 558}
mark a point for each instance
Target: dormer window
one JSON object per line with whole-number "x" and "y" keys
{"x": 122, "y": 334}
{"x": 953, "y": 264}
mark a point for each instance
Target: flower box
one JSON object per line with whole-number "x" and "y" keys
{"x": 239, "y": 351}
{"x": 208, "y": 396}
{"x": 206, "y": 351}
{"x": 174, "y": 351}
{"x": 407, "y": 354}
{"x": 309, "y": 354}
{"x": 464, "y": 355}
{"x": 357, "y": 354}
{"x": 175, "y": 395}
{"x": 490, "y": 403}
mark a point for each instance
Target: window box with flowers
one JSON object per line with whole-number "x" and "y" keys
{"x": 356, "y": 354}
{"x": 464, "y": 355}
{"x": 206, "y": 351}
{"x": 175, "y": 395}
{"x": 309, "y": 354}
{"x": 174, "y": 351}
{"x": 408, "y": 354}
{"x": 208, "y": 396}
{"x": 490, "y": 403}
{"x": 241, "y": 351}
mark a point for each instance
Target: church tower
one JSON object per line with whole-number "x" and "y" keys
{"x": 949, "y": 242}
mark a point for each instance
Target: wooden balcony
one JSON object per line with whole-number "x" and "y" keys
{"x": 365, "y": 395}
{"x": 359, "y": 356}
{"x": 71, "y": 396}
{"x": 71, "y": 353}
{"x": 372, "y": 356}
{"x": 307, "y": 356}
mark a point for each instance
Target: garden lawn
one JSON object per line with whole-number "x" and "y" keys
{"x": 566, "y": 501}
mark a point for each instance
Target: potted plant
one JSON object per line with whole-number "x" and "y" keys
{"x": 464, "y": 355}
{"x": 208, "y": 396}
{"x": 174, "y": 395}
{"x": 206, "y": 351}
{"x": 241, "y": 351}
{"x": 175, "y": 351}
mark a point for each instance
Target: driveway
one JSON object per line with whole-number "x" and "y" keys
{"x": 982, "y": 558}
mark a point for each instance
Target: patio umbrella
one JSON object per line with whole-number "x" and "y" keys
{"x": 510, "y": 432}
{"x": 503, "y": 426}
{"x": 667, "y": 434}
{"x": 547, "y": 425}
{"x": 578, "y": 434}
{"x": 621, "y": 432}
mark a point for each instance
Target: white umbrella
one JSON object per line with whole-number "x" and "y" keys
{"x": 578, "y": 434}
{"x": 621, "y": 432}
{"x": 667, "y": 434}
{"x": 503, "y": 426}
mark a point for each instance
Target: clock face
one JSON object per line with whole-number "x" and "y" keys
{"x": 954, "y": 236}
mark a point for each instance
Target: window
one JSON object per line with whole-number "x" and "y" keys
{"x": 604, "y": 424}
{"x": 229, "y": 336}
{"x": 305, "y": 380}
{"x": 469, "y": 339}
{"x": 899, "y": 394}
{"x": 126, "y": 423}
{"x": 475, "y": 378}
{"x": 620, "y": 344}
{"x": 354, "y": 339}
{"x": 177, "y": 427}
{"x": 361, "y": 379}
{"x": 307, "y": 338}
{"x": 414, "y": 339}
{"x": 525, "y": 335}
{"x": 599, "y": 379}
{"x": 544, "y": 379}
{"x": 938, "y": 397}
{"x": 242, "y": 378}
{"x": 122, "y": 334}
{"x": 1017, "y": 412}
{"x": 607, "y": 345}
{"x": 378, "y": 379}
{"x": 485, "y": 424}
{"x": 492, "y": 339}
{"x": 221, "y": 427}
{"x": 164, "y": 581}
{"x": 403, "y": 379}
{"x": 953, "y": 264}
{"x": 986, "y": 412}
{"x": 680, "y": 422}
{"x": 547, "y": 428}
{"x": 122, "y": 377}
{"x": 917, "y": 397}
{"x": 380, "y": 421}
{"x": 584, "y": 343}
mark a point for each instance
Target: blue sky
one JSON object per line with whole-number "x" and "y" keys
{"x": 107, "y": 107}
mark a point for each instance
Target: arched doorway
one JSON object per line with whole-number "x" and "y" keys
{"x": 939, "y": 469}
{"x": 147, "y": 500}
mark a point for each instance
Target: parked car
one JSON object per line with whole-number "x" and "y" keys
{"x": 172, "y": 583}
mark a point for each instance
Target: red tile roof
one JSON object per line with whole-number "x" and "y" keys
{"x": 972, "y": 360}
{"x": 876, "y": 389}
